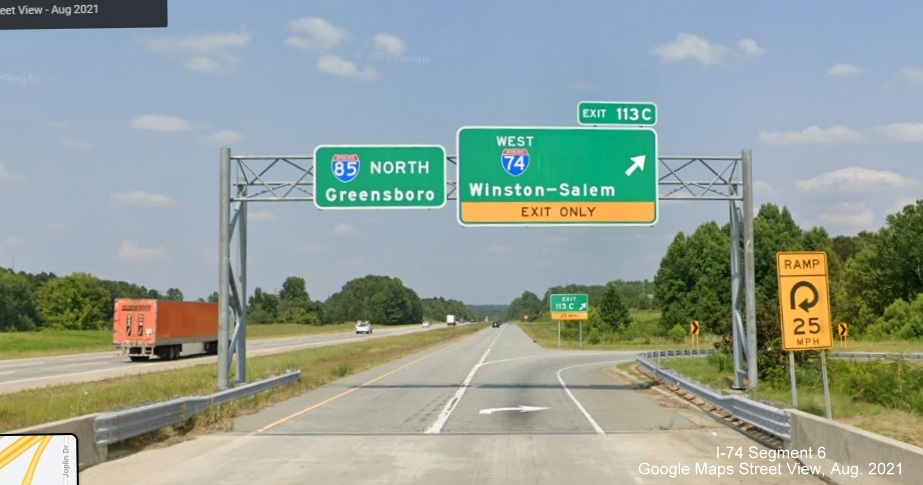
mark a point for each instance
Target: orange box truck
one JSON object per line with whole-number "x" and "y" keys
{"x": 165, "y": 328}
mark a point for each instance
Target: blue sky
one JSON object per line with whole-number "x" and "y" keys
{"x": 110, "y": 138}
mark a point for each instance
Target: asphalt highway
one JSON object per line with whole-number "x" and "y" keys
{"x": 492, "y": 408}
{"x": 20, "y": 374}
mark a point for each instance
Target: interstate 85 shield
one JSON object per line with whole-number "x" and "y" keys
{"x": 345, "y": 167}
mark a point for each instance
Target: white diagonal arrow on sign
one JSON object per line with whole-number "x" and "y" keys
{"x": 521, "y": 409}
{"x": 637, "y": 162}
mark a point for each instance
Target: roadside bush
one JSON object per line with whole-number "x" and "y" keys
{"x": 677, "y": 334}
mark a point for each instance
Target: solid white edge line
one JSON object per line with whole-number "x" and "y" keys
{"x": 443, "y": 417}
{"x": 573, "y": 398}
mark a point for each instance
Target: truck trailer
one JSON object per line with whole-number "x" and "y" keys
{"x": 143, "y": 328}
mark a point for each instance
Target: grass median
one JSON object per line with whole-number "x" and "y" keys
{"x": 20, "y": 345}
{"x": 318, "y": 366}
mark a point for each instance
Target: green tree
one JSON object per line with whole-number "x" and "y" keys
{"x": 526, "y": 304}
{"x": 379, "y": 299}
{"x": 294, "y": 290}
{"x": 17, "y": 311}
{"x": 295, "y": 305}
{"x": 75, "y": 302}
{"x": 174, "y": 294}
{"x": 613, "y": 313}
{"x": 263, "y": 307}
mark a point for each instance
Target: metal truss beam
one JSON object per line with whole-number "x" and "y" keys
{"x": 281, "y": 178}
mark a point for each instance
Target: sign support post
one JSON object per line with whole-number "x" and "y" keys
{"x": 791, "y": 368}
{"x": 580, "y": 326}
{"x": 823, "y": 366}
{"x": 559, "y": 333}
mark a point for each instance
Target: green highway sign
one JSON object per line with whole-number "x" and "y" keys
{"x": 616, "y": 113}
{"x": 551, "y": 176}
{"x": 570, "y": 307}
{"x": 379, "y": 177}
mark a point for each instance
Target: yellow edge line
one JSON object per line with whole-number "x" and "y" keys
{"x": 20, "y": 446}
{"x": 30, "y": 473}
{"x": 344, "y": 393}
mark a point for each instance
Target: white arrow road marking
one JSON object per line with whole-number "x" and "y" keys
{"x": 521, "y": 409}
{"x": 637, "y": 162}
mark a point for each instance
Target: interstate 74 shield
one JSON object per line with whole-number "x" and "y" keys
{"x": 515, "y": 160}
{"x": 345, "y": 167}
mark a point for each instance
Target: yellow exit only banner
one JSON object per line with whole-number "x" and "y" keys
{"x": 587, "y": 212}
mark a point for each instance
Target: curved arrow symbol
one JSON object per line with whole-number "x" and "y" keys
{"x": 805, "y": 305}
{"x": 521, "y": 409}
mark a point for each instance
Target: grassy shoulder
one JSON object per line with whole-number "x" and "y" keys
{"x": 851, "y": 403}
{"x": 19, "y": 345}
{"x": 318, "y": 366}
{"x": 544, "y": 332}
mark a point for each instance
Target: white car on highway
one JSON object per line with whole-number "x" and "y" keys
{"x": 363, "y": 326}
{"x": 426, "y": 324}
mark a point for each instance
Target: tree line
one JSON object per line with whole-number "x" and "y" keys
{"x": 629, "y": 294}
{"x": 876, "y": 278}
{"x": 78, "y": 301}
{"x": 81, "y": 301}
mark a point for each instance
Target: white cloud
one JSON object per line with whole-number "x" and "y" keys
{"x": 848, "y": 216}
{"x": 140, "y": 198}
{"x": 76, "y": 144}
{"x": 813, "y": 134}
{"x": 202, "y": 64}
{"x": 261, "y": 216}
{"x": 844, "y": 69}
{"x": 581, "y": 86}
{"x": 225, "y": 137}
{"x": 899, "y": 204}
{"x": 336, "y": 65}
{"x": 689, "y": 46}
{"x": 14, "y": 241}
{"x": 344, "y": 228}
{"x": 389, "y": 43}
{"x": 160, "y": 123}
{"x": 132, "y": 251}
{"x": 905, "y": 132}
{"x": 321, "y": 34}
{"x": 852, "y": 180}
{"x": 911, "y": 74}
{"x": 762, "y": 188}
{"x": 8, "y": 176}
{"x": 750, "y": 48}
{"x": 202, "y": 52}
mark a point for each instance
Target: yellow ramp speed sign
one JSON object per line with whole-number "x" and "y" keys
{"x": 804, "y": 300}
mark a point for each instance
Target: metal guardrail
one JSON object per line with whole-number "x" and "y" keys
{"x": 875, "y": 355}
{"x": 116, "y": 426}
{"x": 770, "y": 419}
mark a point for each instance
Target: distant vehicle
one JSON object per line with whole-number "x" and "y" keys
{"x": 143, "y": 328}
{"x": 363, "y": 326}
{"x": 427, "y": 324}
{"x": 450, "y": 320}
{"x": 495, "y": 325}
